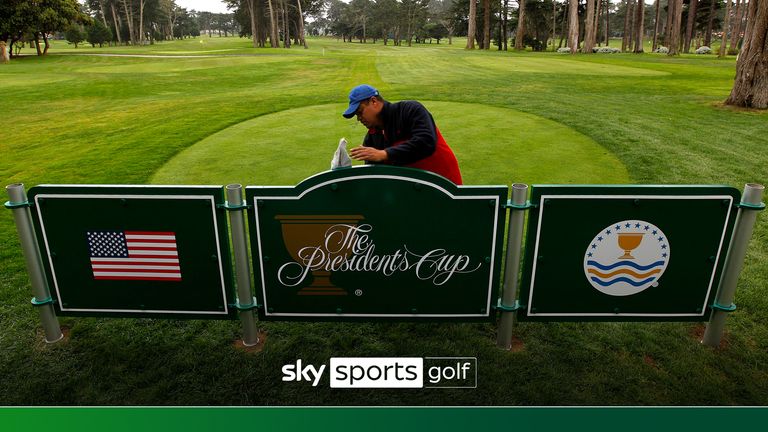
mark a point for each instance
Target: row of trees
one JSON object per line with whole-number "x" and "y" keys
{"x": 130, "y": 22}
{"x": 138, "y": 22}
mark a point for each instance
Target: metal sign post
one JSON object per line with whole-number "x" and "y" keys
{"x": 245, "y": 300}
{"x": 20, "y": 206}
{"x": 508, "y": 304}
{"x": 751, "y": 203}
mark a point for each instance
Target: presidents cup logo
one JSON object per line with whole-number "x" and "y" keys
{"x": 626, "y": 258}
{"x": 323, "y": 245}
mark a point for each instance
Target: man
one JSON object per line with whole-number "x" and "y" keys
{"x": 402, "y": 134}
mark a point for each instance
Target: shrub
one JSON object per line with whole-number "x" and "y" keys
{"x": 564, "y": 50}
{"x": 704, "y": 50}
{"x": 662, "y": 50}
{"x": 606, "y": 50}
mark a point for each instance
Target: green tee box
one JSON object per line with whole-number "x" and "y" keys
{"x": 625, "y": 253}
{"x": 377, "y": 242}
{"x": 136, "y": 251}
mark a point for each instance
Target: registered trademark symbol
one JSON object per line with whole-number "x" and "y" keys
{"x": 358, "y": 292}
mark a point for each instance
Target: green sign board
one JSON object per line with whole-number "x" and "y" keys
{"x": 135, "y": 250}
{"x": 625, "y": 253}
{"x": 377, "y": 242}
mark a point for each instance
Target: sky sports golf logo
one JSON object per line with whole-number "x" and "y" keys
{"x": 387, "y": 372}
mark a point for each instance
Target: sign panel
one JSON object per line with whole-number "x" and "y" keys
{"x": 377, "y": 242}
{"x": 625, "y": 253}
{"x": 135, "y": 250}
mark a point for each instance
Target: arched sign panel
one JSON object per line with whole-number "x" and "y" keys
{"x": 377, "y": 242}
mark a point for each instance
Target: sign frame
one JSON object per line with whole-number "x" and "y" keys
{"x": 210, "y": 198}
{"x": 625, "y": 197}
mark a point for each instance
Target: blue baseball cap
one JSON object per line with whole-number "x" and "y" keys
{"x": 359, "y": 94}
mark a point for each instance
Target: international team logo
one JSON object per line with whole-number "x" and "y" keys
{"x": 626, "y": 258}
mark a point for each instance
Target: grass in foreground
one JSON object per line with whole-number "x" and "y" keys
{"x": 77, "y": 119}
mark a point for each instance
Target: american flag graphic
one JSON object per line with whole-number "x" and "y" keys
{"x": 134, "y": 255}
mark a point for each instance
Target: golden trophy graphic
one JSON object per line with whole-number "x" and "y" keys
{"x": 628, "y": 242}
{"x": 302, "y": 231}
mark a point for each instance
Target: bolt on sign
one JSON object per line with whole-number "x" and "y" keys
{"x": 377, "y": 242}
{"x": 625, "y": 253}
{"x": 135, "y": 250}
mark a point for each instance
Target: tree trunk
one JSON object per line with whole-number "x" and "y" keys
{"x": 46, "y": 43}
{"x": 504, "y": 28}
{"x": 563, "y": 30}
{"x": 520, "y": 33}
{"x": 732, "y": 48}
{"x": 302, "y": 39}
{"x": 117, "y": 24}
{"x": 286, "y": 29}
{"x": 573, "y": 25}
{"x": 472, "y": 24}
{"x": 689, "y": 26}
{"x": 486, "y": 24}
{"x": 129, "y": 20}
{"x": 710, "y": 23}
{"x": 726, "y": 24}
{"x": 273, "y": 39}
{"x": 632, "y": 11}
{"x": 625, "y": 35}
{"x": 656, "y": 26}
{"x": 639, "y": 26}
{"x": 141, "y": 22}
{"x": 589, "y": 22}
{"x": 554, "y": 23}
{"x": 37, "y": 43}
{"x": 676, "y": 10}
{"x": 607, "y": 23}
{"x": 103, "y": 15}
{"x": 598, "y": 15}
{"x": 750, "y": 89}
{"x": 251, "y": 4}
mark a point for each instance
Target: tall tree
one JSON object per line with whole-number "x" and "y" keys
{"x": 627, "y": 30}
{"x": 750, "y": 88}
{"x": 520, "y": 34}
{"x": 302, "y": 39}
{"x": 274, "y": 40}
{"x": 713, "y": 6}
{"x": 639, "y": 26}
{"x": 472, "y": 24}
{"x": 657, "y": 13}
{"x": 690, "y": 25}
{"x": 51, "y": 16}
{"x": 732, "y": 48}
{"x": 486, "y": 24}
{"x": 676, "y": 10}
{"x": 128, "y": 8}
{"x": 573, "y": 25}
{"x": 589, "y": 27}
{"x": 117, "y": 23}
{"x": 724, "y": 39}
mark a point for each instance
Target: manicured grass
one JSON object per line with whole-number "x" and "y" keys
{"x": 491, "y": 143}
{"x": 271, "y": 116}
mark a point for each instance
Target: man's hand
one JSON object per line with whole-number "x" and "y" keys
{"x": 369, "y": 154}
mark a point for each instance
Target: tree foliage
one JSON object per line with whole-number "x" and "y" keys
{"x": 20, "y": 19}
{"x": 98, "y": 34}
{"x": 75, "y": 35}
